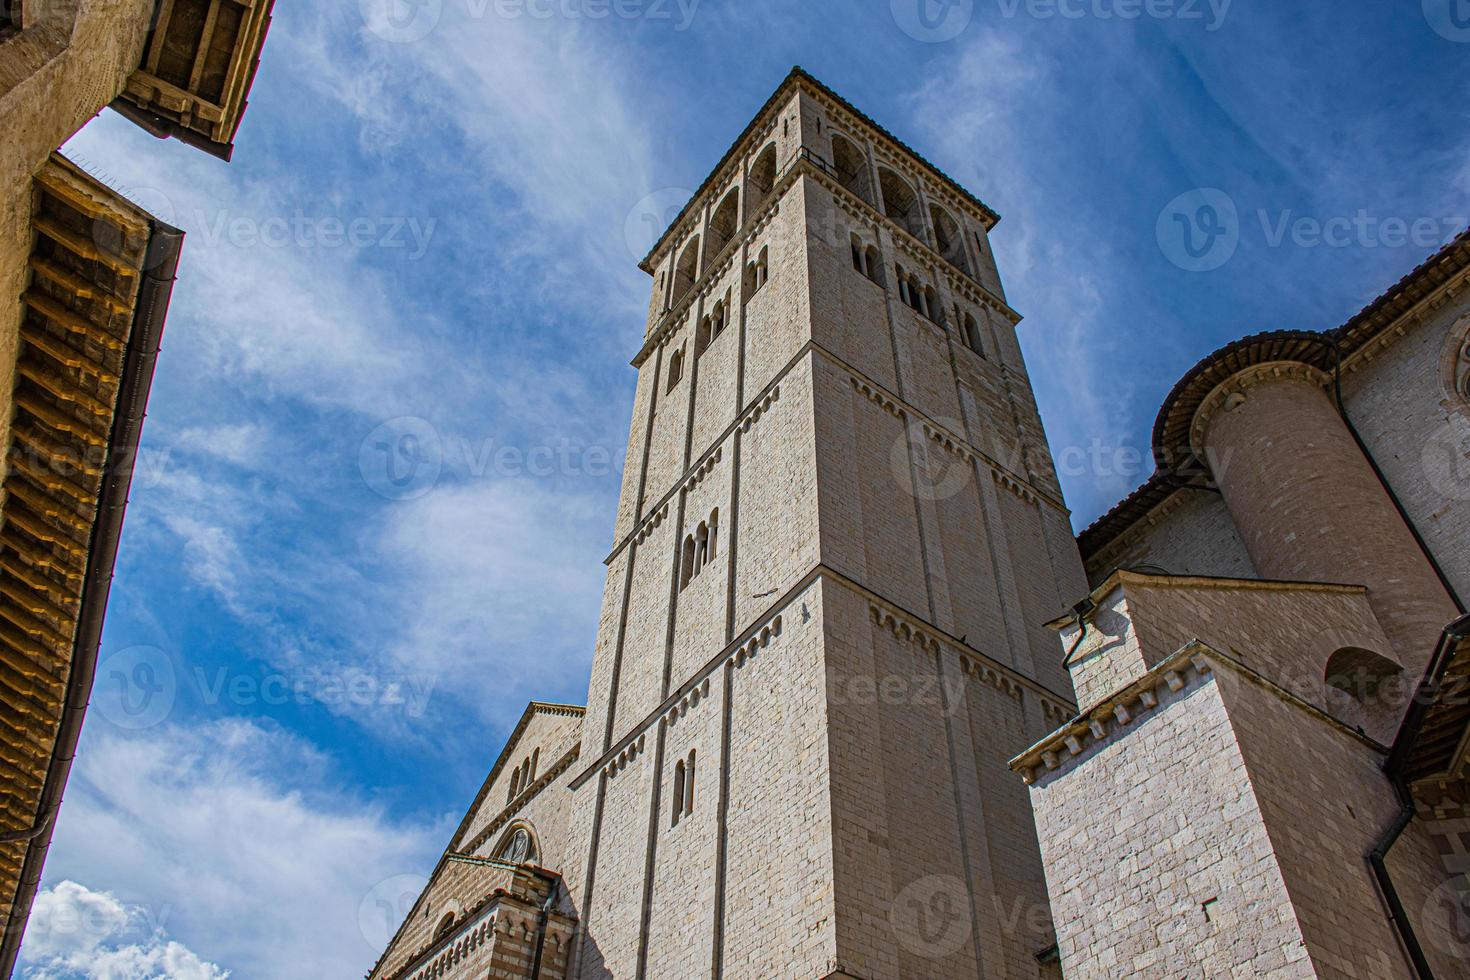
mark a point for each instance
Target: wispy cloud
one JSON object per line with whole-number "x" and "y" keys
{"x": 232, "y": 838}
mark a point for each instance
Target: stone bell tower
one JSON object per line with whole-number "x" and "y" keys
{"x": 839, "y": 537}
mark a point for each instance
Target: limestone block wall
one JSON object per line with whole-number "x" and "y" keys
{"x": 1157, "y": 855}
{"x": 1410, "y": 400}
{"x": 937, "y": 867}
{"x": 1190, "y": 533}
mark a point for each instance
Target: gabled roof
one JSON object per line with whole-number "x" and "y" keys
{"x": 508, "y": 752}
{"x": 1318, "y": 348}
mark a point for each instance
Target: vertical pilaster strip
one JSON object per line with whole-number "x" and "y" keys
{"x": 617, "y": 668}
{"x": 651, "y": 854}
{"x": 584, "y": 920}
{"x": 722, "y": 824}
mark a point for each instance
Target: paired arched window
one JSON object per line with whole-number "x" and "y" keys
{"x": 758, "y": 272}
{"x": 851, "y": 167}
{"x": 676, "y": 368}
{"x": 700, "y": 548}
{"x": 914, "y": 294}
{"x": 723, "y": 224}
{"x": 712, "y": 325}
{"x": 949, "y": 240}
{"x": 900, "y": 203}
{"x": 683, "y": 788}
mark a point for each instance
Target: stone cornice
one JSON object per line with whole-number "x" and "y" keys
{"x": 1113, "y": 717}
{"x": 769, "y": 626}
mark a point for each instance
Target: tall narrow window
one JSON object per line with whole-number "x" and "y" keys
{"x": 851, "y": 166}
{"x": 858, "y": 259}
{"x": 723, "y": 225}
{"x": 676, "y": 368}
{"x": 763, "y": 267}
{"x": 903, "y": 287}
{"x": 875, "y": 265}
{"x": 685, "y": 272}
{"x": 703, "y": 335}
{"x": 689, "y": 785}
{"x": 972, "y": 335}
{"x": 679, "y": 784}
{"x": 515, "y": 784}
{"x": 762, "y": 180}
{"x": 948, "y": 239}
{"x": 714, "y": 532}
{"x": 686, "y": 562}
{"x": 535, "y": 761}
{"x": 701, "y": 547}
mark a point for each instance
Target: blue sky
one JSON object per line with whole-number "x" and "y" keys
{"x": 385, "y": 439}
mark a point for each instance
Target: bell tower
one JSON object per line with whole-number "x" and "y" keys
{"x": 839, "y": 537}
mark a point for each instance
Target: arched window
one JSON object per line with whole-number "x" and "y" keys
{"x": 686, "y": 272}
{"x": 851, "y": 167}
{"x": 701, "y": 547}
{"x": 515, "y": 784}
{"x": 723, "y": 224}
{"x": 1357, "y": 677}
{"x": 720, "y": 318}
{"x": 757, "y": 272}
{"x": 714, "y": 532}
{"x": 903, "y": 287}
{"x": 445, "y": 924}
{"x": 535, "y": 761}
{"x": 686, "y": 562}
{"x": 875, "y": 265}
{"x": 859, "y": 257}
{"x": 676, "y": 368}
{"x": 518, "y": 846}
{"x": 702, "y": 336}
{"x": 762, "y": 179}
{"x": 900, "y": 203}
{"x": 949, "y": 240}
{"x": 931, "y": 305}
{"x": 972, "y": 335}
{"x": 678, "y": 793}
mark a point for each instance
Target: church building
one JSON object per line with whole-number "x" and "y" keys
{"x": 862, "y": 706}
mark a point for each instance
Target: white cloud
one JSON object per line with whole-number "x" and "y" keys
{"x": 232, "y": 838}
{"x": 75, "y": 933}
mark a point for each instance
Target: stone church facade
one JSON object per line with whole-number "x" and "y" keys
{"x": 862, "y": 707}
